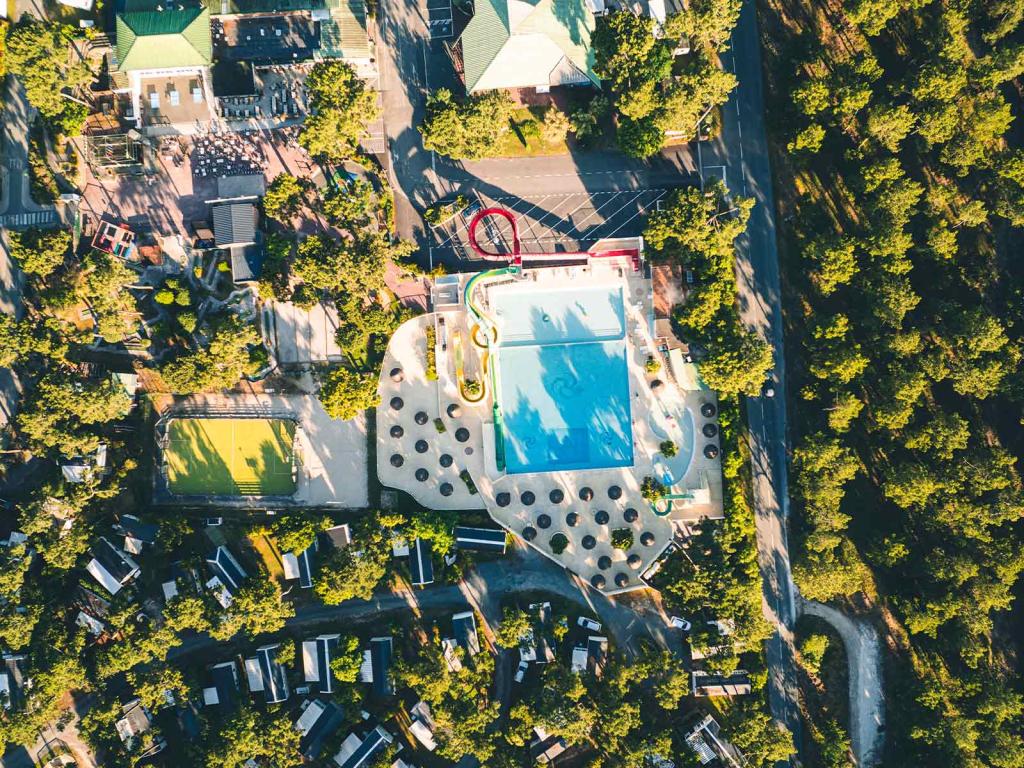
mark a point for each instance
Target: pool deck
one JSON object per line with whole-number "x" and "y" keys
{"x": 507, "y": 497}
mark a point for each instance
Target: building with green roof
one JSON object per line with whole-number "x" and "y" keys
{"x": 527, "y": 44}
{"x": 173, "y": 38}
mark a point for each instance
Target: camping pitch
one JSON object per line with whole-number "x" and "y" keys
{"x": 230, "y": 457}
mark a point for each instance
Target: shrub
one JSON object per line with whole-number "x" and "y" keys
{"x": 558, "y": 543}
{"x": 472, "y": 387}
{"x": 182, "y": 299}
{"x": 652, "y": 490}
{"x": 668, "y": 449}
{"x": 812, "y": 652}
{"x": 431, "y": 354}
{"x": 223, "y": 266}
{"x": 164, "y": 296}
{"x": 653, "y": 365}
{"x": 464, "y": 476}
{"x": 622, "y": 538}
{"x": 439, "y": 426}
{"x": 188, "y": 320}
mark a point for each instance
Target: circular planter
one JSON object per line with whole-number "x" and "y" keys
{"x": 615, "y": 493}
{"x": 543, "y": 521}
{"x": 446, "y": 489}
{"x": 397, "y": 375}
{"x": 503, "y": 499}
{"x": 397, "y": 403}
{"x": 588, "y": 542}
{"x": 586, "y": 493}
{"x": 556, "y": 496}
{"x": 558, "y": 543}
{"x": 630, "y": 515}
{"x": 707, "y": 410}
{"x": 421, "y": 446}
{"x": 462, "y": 434}
{"x": 527, "y": 498}
{"x": 422, "y": 475}
{"x": 421, "y": 418}
{"x": 397, "y": 431}
{"x": 601, "y": 517}
{"x": 710, "y": 451}
{"x": 397, "y": 460}
{"x": 446, "y": 460}
{"x": 709, "y": 430}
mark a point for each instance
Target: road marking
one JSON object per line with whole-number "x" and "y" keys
{"x": 643, "y": 210}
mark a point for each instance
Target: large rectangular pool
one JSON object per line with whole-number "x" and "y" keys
{"x": 563, "y": 377}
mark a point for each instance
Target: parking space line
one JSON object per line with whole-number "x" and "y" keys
{"x": 559, "y": 219}
{"x": 621, "y": 208}
{"x": 603, "y": 205}
{"x": 530, "y": 222}
{"x": 643, "y": 209}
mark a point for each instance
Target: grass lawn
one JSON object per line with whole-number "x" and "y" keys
{"x": 230, "y": 457}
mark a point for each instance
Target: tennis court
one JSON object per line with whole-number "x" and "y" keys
{"x": 230, "y": 457}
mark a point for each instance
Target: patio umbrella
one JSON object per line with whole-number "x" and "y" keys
{"x": 597, "y": 581}
{"x": 462, "y": 434}
{"x": 556, "y": 495}
{"x": 604, "y": 562}
{"x": 572, "y": 519}
{"x": 503, "y": 499}
{"x": 527, "y": 498}
{"x": 421, "y": 418}
{"x": 446, "y": 489}
{"x": 621, "y": 580}
{"x": 630, "y": 515}
{"x": 446, "y": 460}
{"x": 634, "y": 561}
{"x": 707, "y": 410}
{"x": 397, "y": 375}
{"x": 397, "y": 403}
{"x": 397, "y": 431}
{"x": 454, "y": 411}
{"x": 543, "y": 521}
{"x": 421, "y": 446}
{"x": 422, "y": 475}
{"x": 601, "y": 517}
{"x": 614, "y": 493}
{"x": 397, "y": 460}
{"x": 588, "y": 542}
{"x": 529, "y": 533}
{"x": 647, "y": 538}
{"x": 586, "y": 493}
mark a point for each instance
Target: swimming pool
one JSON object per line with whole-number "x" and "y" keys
{"x": 563, "y": 377}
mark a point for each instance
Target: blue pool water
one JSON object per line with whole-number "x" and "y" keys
{"x": 563, "y": 378}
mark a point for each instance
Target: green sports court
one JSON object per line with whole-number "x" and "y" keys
{"x": 230, "y": 457}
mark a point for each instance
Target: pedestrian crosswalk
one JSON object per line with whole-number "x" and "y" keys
{"x": 28, "y": 219}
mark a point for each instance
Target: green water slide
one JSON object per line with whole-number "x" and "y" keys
{"x": 490, "y": 338}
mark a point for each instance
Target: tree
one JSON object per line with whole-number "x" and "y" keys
{"x": 757, "y": 736}
{"x": 152, "y": 685}
{"x": 740, "y": 367}
{"x": 889, "y": 125}
{"x": 346, "y": 393}
{"x": 514, "y": 626}
{"x": 812, "y": 651}
{"x": 39, "y": 252}
{"x": 347, "y": 660}
{"x": 283, "y": 197}
{"x": 37, "y": 53}
{"x": 60, "y": 414}
{"x": 255, "y": 609}
{"x": 342, "y": 107}
{"x": 268, "y": 739}
{"x": 555, "y": 126}
{"x": 468, "y": 129}
{"x": 708, "y": 24}
{"x": 349, "y": 574}
{"x": 296, "y": 531}
{"x": 352, "y": 206}
{"x": 20, "y": 338}
{"x": 225, "y": 360}
{"x": 808, "y": 140}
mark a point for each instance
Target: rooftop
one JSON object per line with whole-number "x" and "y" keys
{"x": 177, "y": 36}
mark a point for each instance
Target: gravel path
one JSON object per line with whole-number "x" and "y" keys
{"x": 867, "y": 702}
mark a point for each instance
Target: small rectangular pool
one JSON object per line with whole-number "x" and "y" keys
{"x": 563, "y": 378}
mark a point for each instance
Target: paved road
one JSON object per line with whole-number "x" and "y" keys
{"x": 742, "y": 151}
{"x": 523, "y": 570}
{"x": 411, "y": 66}
{"x": 867, "y": 700}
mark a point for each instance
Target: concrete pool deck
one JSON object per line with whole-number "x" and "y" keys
{"x": 412, "y": 453}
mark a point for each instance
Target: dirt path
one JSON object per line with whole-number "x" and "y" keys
{"x": 867, "y": 703}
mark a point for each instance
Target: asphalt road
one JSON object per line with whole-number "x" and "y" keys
{"x": 741, "y": 151}
{"x": 412, "y": 65}
{"x": 483, "y": 589}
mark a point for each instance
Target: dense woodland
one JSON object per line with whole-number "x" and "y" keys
{"x": 899, "y": 181}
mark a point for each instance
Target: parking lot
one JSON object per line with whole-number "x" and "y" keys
{"x": 550, "y": 223}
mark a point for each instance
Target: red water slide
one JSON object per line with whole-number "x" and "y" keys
{"x": 517, "y": 256}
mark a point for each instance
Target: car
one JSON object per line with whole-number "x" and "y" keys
{"x": 521, "y": 671}
{"x": 679, "y": 623}
{"x": 593, "y": 626}
{"x": 212, "y": 522}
